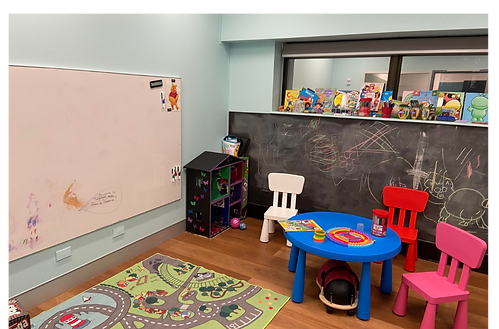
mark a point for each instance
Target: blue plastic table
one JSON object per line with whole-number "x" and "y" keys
{"x": 383, "y": 249}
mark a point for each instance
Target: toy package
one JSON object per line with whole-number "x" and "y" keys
{"x": 425, "y": 98}
{"x": 476, "y": 107}
{"x": 290, "y": 99}
{"x": 451, "y": 102}
{"x": 326, "y": 97}
{"x": 18, "y": 317}
{"x": 386, "y": 97}
{"x": 345, "y": 100}
{"x": 372, "y": 90}
{"x": 309, "y": 97}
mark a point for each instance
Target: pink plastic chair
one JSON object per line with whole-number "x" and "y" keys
{"x": 435, "y": 287}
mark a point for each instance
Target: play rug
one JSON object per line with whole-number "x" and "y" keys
{"x": 163, "y": 292}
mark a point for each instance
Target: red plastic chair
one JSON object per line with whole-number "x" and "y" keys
{"x": 434, "y": 286}
{"x": 405, "y": 199}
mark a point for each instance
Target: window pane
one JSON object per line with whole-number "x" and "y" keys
{"x": 339, "y": 73}
{"x": 444, "y": 73}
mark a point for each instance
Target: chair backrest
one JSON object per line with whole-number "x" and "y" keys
{"x": 404, "y": 199}
{"x": 463, "y": 247}
{"x": 285, "y": 183}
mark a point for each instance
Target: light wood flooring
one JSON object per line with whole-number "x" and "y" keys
{"x": 239, "y": 253}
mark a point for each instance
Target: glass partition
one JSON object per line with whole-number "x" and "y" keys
{"x": 339, "y": 73}
{"x": 446, "y": 73}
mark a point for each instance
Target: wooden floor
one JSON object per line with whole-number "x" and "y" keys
{"x": 239, "y": 253}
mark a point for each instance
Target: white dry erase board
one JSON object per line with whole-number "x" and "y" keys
{"x": 87, "y": 149}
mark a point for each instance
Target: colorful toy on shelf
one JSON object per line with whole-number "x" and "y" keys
{"x": 451, "y": 100}
{"x": 374, "y": 91}
{"x": 299, "y": 106}
{"x": 326, "y": 97}
{"x": 290, "y": 99}
{"x": 476, "y": 106}
{"x": 339, "y": 286}
{"x": 426, "y": 111}
{"x": 309, "y": 97}
{"x": 242, "y": 226}
{"x": 235, "y": 222}
{"x": 387, "y": 105}
{"x": 415, "y": 110}
{"x": 349, "y": 237}
{"x": 364, "y": 106}
{"x": 386, "y": 98}
{"x": 404, "y": 112}
{"x": 447, "y": 113}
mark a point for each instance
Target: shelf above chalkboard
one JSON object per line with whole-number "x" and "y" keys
{"x": 385, "y": 119}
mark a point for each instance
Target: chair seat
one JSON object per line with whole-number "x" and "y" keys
{"x": 406, "y": 234}
{"x": 434, "y": 288}
{"x": 280, "y": 214}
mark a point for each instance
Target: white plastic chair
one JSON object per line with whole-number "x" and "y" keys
{"x": 285, "y": 184}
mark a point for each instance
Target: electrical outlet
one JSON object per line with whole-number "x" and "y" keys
{"x": 118, "y": 231}
{"x": 63, "y": 253}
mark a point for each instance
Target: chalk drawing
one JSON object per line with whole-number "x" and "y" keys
{"x": 349, "y": 160}
{"x": 323, "y": 153}
{"x": 328, "y": 154}
{"x": 417, "y": 171}
{"x": 392, "y": 181}
{"x": 465, "y": 205}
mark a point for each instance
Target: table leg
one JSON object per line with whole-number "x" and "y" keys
{"x": 293, "y": 258}
{"x": 364, "y": 306}
{"x": 299, "y": 283}
{"x": 386, "y": 277}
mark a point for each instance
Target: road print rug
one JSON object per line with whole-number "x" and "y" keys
{"x": 163, "y": 292}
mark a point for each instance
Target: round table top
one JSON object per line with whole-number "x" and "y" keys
{"x": 382, "y": 248}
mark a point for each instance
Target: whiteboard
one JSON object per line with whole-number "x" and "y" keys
{"x": 87, "y": 149}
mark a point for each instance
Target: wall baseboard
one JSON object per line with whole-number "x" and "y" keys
{"x": 57, "y": 286}
{"x": 426, "y": 250}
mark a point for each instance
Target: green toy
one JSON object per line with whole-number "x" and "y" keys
{"x": 478, "y": 108}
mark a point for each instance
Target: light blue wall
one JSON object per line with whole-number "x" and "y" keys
{"x": 252, "y": 76}
{"x": 313, "y": 73}
{"x": 251, "y": 27}
{"x": 187, "y": 46}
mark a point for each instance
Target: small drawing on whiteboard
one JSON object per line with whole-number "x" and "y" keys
{"x": 106, "y": 201}
{"x": 70, "y": 198}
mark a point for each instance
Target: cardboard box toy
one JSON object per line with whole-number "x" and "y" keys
{"x": 18, "y": 316}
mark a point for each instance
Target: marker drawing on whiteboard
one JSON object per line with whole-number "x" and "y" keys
{"x": 163, "y": 101}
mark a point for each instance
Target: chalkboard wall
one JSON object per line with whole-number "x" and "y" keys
{"x": 347, "y": 162}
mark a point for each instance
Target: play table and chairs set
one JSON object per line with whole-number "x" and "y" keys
{"x": 342, "y": 238}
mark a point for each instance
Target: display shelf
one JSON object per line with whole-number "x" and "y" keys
{"x": 336, "y": 116}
